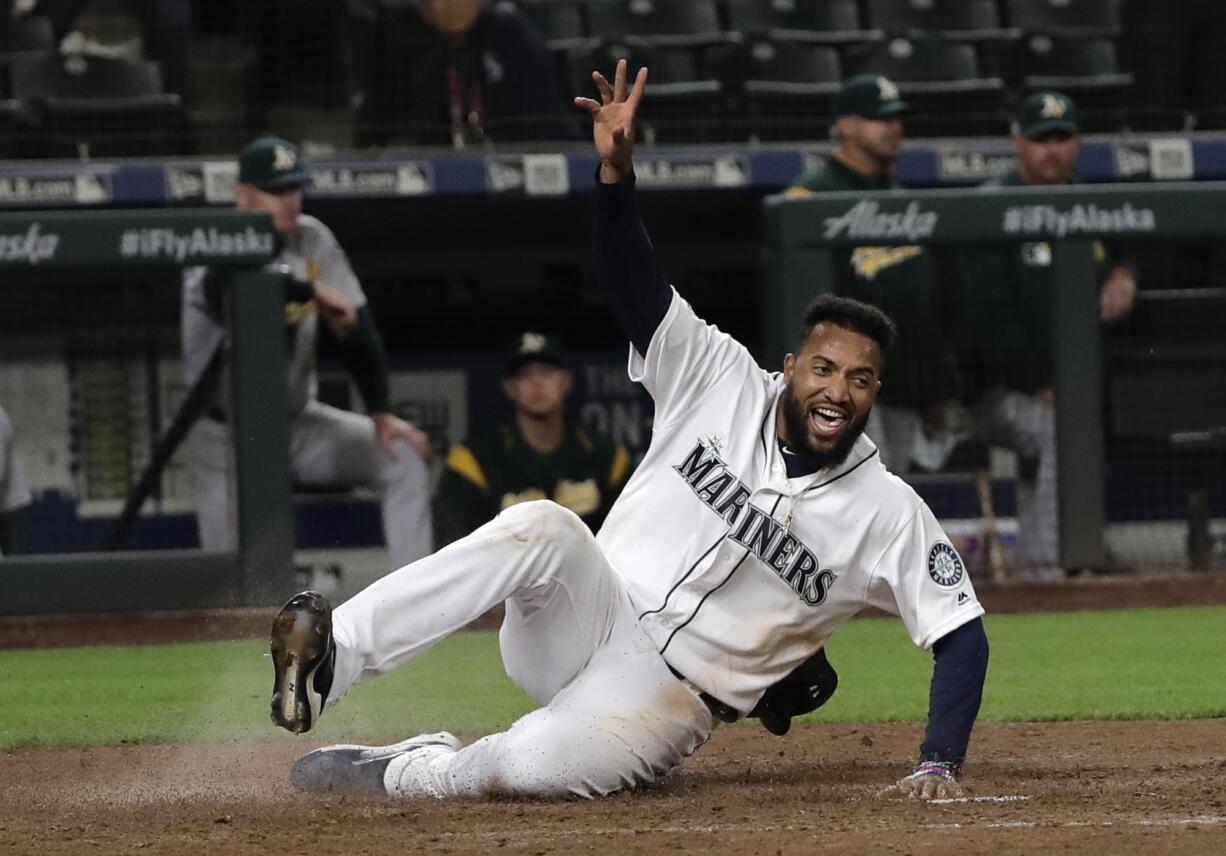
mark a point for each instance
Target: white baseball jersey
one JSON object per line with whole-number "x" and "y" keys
{"x": 738, "y": 573}
{"x": 312, "y": 254}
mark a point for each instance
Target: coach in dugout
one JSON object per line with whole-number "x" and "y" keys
{"x": 539, "y": 453}
{"x": 328, "y": 446}
{"x": 919, "y": 392}
{"x": 1006, "y": 328}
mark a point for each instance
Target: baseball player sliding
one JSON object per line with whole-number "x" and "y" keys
{"x": 760, "y": 520}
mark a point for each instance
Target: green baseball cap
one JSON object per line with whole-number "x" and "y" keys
{"x": 271, "y": 163}
{"x": 532, "y": 347}
{"x": 870, "y": 96}
{"x": 1045, "y": 112}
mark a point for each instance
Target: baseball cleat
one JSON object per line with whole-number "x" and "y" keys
{"x": 303, "y": 656}
{"x": 359, "y": 771}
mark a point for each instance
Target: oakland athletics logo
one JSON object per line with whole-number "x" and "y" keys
{"x": 944, "y": 565}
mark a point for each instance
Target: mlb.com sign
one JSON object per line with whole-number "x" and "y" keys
{"x": 866, "y": 221}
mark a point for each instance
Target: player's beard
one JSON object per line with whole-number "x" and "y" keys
{"x": 796, "y": 421}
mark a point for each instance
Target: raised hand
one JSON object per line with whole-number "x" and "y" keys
{"x": 613, "y": 120}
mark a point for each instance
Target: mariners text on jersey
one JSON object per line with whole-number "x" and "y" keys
{"x": 721, "y": 491}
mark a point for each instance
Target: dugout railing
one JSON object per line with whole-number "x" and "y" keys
{"x": 798, "y": 263}
{"x": 88, "y": 245}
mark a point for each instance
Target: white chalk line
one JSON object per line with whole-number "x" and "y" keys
{"x": 752, "y": 829}
{"x": 1162, "y": 823}
{"x": 1001, "y": 799}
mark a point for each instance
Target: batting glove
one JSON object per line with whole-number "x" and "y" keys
{"x": 931, "y": 780}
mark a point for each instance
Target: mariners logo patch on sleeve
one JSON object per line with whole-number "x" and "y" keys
{"x": 945, "y": 565}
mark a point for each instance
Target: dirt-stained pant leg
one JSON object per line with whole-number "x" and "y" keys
{"x": 329, "y": 446}
{"x": 614, "y": 715}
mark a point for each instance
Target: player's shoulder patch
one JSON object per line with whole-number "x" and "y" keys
{"x": 945, "y": 565}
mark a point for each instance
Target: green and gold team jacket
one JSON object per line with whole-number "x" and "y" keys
{"x": 498, "y": 470}
{"x": 1004, "y": 298}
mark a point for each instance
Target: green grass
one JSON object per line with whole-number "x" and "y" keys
{"x": 1141, "y": 664}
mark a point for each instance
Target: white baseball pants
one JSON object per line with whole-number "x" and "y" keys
{"x": 613, "y": 715}
{"x": 328, "y": 446}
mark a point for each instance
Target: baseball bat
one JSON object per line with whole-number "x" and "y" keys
{"x": 193, "y": 406}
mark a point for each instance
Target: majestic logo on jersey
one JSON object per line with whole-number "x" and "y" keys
{"x": 945, "y": 565}
{"x": 722, "y": 492}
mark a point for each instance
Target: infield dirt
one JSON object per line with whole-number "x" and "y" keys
{"x": 1116, "y": 787}
{"x": 1078, "y": 787}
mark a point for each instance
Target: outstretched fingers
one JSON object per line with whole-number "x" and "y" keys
{"x": 606, "y": 91}
{"x": 640, "y": 83}
{"x": 619, "y": 81}
{"x": 588, "y": 104}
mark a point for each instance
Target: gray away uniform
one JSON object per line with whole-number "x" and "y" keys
{"x": 328, "y": 446}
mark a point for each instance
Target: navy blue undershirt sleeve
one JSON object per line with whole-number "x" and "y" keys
{"x": 961, "y": 664}
{"x": 626, "y": 267}
{"x": 363, "y": 355}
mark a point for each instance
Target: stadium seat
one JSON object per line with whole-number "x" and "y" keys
{"x": 1088, "y": 70}
{"x": 90, "y": 106}
{"x": 1072, "y": 64}
{"x": 1066, "y": 17}
{"x": 942, "y": 81}
{"x": 776, "y": 90}
{"x": 656, "y": 22}
{"x": 820, "y": 21}
{"x": 560, "y": 22}
{"x": 954, "y": 19}
{"x": 684, "y": 105}
{"x": 26, "y": 36}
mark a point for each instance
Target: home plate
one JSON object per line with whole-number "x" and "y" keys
{"x": 1000, "y": 799}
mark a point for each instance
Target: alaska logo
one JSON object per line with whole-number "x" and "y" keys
{"x": 726, "y": 495}
{"x": 865, "y": 219}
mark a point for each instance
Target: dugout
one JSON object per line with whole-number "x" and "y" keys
{"x": 89, "y": 246}
{"x": 1183, "y": 374}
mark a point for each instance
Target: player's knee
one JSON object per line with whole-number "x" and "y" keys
{"x": 545, "y": 520}
{"x": 547, "y": 756}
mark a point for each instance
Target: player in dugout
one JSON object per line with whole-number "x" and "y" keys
{"x": 760, "y": 520}
{"x": 1006, "y": 332}
{"x": 328, "y": 446}
{"x": 539, "y": 453}
{"x": 917, "y": 421}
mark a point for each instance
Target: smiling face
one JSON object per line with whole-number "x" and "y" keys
{"x": 831, "y": 385}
